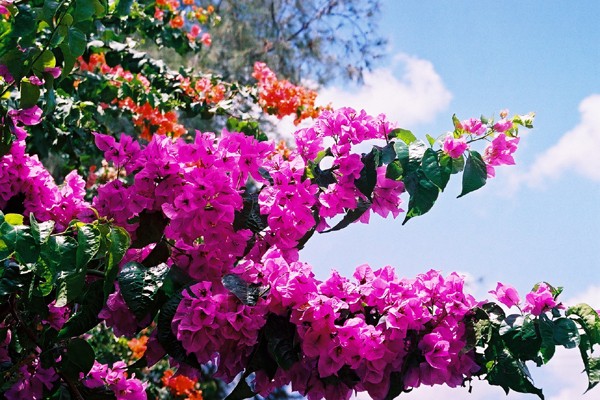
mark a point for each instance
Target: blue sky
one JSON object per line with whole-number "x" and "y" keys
{"x": 537, "y": 221}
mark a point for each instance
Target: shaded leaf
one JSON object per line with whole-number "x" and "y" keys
{"x": 139, "y": 286}
{"x": 475, "y": 174}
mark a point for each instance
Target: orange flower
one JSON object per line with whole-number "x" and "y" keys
{"x": 177, "y": 22}
{"x": 138, "y": 346}
{"x": 181, "y": 385}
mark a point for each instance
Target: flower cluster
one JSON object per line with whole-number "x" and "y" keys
{"x": 501, "y": 134}
{"x": 187, "y": 18}
{"x": 33, "y": 378}
{"x": 115, "y": 378}
{"x": 26, "y": 186}
{"x": 182, "y": 386}
{"x": 215, "y": 326}
{"x": 355, "y": 333}
{"x": 281, "y": 98}
{"x": 537, "y": 302}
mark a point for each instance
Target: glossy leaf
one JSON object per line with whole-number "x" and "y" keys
{"x": 475, "y": 174}
{"x": 88, "y": 238}
{"x": 139, "y": 286}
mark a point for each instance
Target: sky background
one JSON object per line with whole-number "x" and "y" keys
{"x": 536, "y": 221}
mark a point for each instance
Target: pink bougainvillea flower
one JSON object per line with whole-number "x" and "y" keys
{"x": 539, "y": 301}
{"x": 500, "y": 152}
{"x": 503, "y": 125}
{"x": 506, "y": 295}
{"x": 54, "y": 71}
{"x": 454, "y": 147}
{"x": 474, "y": 126}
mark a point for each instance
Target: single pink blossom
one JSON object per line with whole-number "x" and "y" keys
{"x": 454, "y": 147}
{"x": 506, "y": 295}
{"x": 539, "y": 301}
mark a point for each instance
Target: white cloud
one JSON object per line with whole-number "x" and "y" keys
{"x": 567, "y": 153}
{"x": 416, "y": 97}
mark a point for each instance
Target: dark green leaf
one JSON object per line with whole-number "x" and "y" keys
{"x": 76, "y": 41}
{"x": 48, "y": 11}
{"x": 351, "y": 216}
{"x": 510, "y": 373}
{"x": 79, "y": 358}
{"x": 394, "y": 171}
{"x": 451, "y": 165}
{"x": 19, "y": 239}
{"x": 123, "y": 8}
{"x": 548, "y": 346}
{"x": 241, "y": 391}
{"x": 475, "y": 174}
{"x": 150, "y": 229}
{"x": 388, "y": 154}
{"x": 520, "y": 335}
{"x": 423, "y": 194}
{"x": 86, "y": 316}
{"x": 432, "y": 169}
{"x": 119, "y": 243}
{"x": 167, "y": 338}
{"x": 368, "y": 175}
{"x": 280, "y": 333}
{"x": 84, "y": 9}
{"x": 30, "y": 94}
{"x": 566, "y": 333}
{"x": 139, "y": 286}
{"x": 88, "y": 238}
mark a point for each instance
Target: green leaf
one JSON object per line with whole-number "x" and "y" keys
{"x": 451, "y": 165}
{"x": 405, "y": 135}
{"x": 167, "y": 338}
{"x": 150, "y": 229}
{"x": 394, "y": 171}
{"x": 123, "y": 8}
{"x": 19, "y": 239}
{"x": 25, "y": 23}
{"x": 84, "y": 9}
{"x": 86, "y": 316}
{"x": 30, "y": 94}
{"x": 566, "y": 333}
{"x": 401, "y": 150}
{"x": 46, "y": 60}
{"x": 241, "y": 391}
{"x": 510, "y": 373}
{"x": 76, "y": 41}
{"x": 589, "y": 319}
{"x": 432, "y": 169}
{"x": 430, "y": 140}
{"x": 119, "y": 243}
{"x": 79, "y": 358}
{"x": 40, "y": 231}
{"x": 368, "y": 175}
{"x": 280, "y": 334}
{"x": 548, "y": 346}
{"x": 69, "y": 286}
{"x": 351, "y": 215}
{"x": 48, "y": 11}
{"x": 139, "y": 286}
{"x": 475, "y": 174}
{"x": 592, "y": 368}
{"x": 520, "y": 335}
{"x": 88, "y": 238}
{"x": 416, "y": 150}
{"x": 423, "y": 194}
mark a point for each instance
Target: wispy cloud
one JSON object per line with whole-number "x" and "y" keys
{"x": 414, "y": 96}
{"x": 568, "y": 155}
